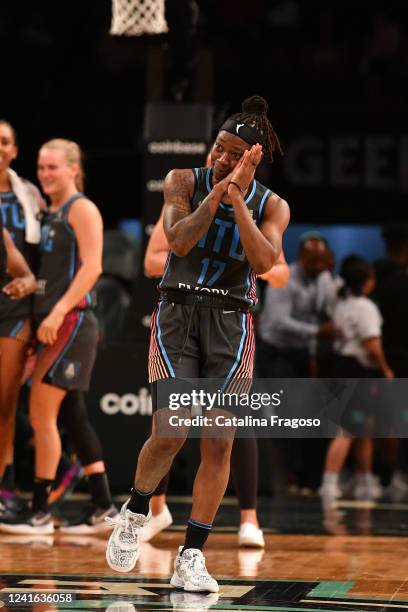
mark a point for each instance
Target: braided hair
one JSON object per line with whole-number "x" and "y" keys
{"x": 254, "y": 113}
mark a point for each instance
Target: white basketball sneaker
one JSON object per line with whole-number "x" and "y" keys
{"x": 33, "y": 523}
{"x": 249, "y": 535}
{"x": 367, "y": 487}
{"x": 92, "y": 521}
{"x": 123, "y": 546}
{"x": 191, "y": 574}
{"x": 156, "y": 525}
{"x": 192, "y": 601}
{"x": 330, "y": 491}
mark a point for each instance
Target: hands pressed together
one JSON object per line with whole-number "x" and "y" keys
{"x": 244, "y": 172}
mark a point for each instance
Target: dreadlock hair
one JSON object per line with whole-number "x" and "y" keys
{"x": 254, "y": 113}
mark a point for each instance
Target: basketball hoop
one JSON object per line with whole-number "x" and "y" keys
{"x": 138, "y": 17}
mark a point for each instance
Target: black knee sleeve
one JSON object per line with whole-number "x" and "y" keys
{"x": 244, "y": 468}
{"x": 74, "y": 419}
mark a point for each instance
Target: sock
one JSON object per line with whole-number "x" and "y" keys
{"x": 65, "y": 463}
{"x": 196, "y": 535}
{"x": 42, "y": 489}
{"x": 330, "y": 478}
{"x": 7, "y": 482}
{"x": 99, "y": 489}
{"x": 139, "y": 501}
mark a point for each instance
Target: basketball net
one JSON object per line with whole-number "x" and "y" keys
{"x": 137, "y": 17}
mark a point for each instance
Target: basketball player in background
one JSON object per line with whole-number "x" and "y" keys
{"x": 70, "y": 264}
{"x": 223, "y": 228}
{"x": 12, "y": 261}
{"x": 21, "y": 202}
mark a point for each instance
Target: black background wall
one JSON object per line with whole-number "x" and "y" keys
{"x": 329, "y": 71}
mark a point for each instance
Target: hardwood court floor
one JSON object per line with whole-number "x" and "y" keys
{"x": 295, "y": 572}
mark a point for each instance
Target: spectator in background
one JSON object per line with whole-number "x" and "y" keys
{"x": 358, "y": 355}
{"x": 288, "y": 332}
{"x": 328, "y": 286}
{"x": 289, "y": 322}
{"x": 391, "y": 295}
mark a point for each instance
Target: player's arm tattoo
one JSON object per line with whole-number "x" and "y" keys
{"x": 182, "y": 227}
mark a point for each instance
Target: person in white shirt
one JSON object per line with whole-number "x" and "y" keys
{"x": 358, "y": 354}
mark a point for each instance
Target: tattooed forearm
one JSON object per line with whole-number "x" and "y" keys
{"x": 187, "y": 231}
{"x": 182, "y": 227}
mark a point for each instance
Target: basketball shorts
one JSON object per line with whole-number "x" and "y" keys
{"x": 365, "y": 412}
{"x": 70, "y": 360}
{"x": 19, "y": 328}
{"x": 196, "y": 341}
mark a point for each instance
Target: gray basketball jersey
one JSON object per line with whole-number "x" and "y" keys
{"x": 217, "y": 265}
{"x": 59, "y": 260}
